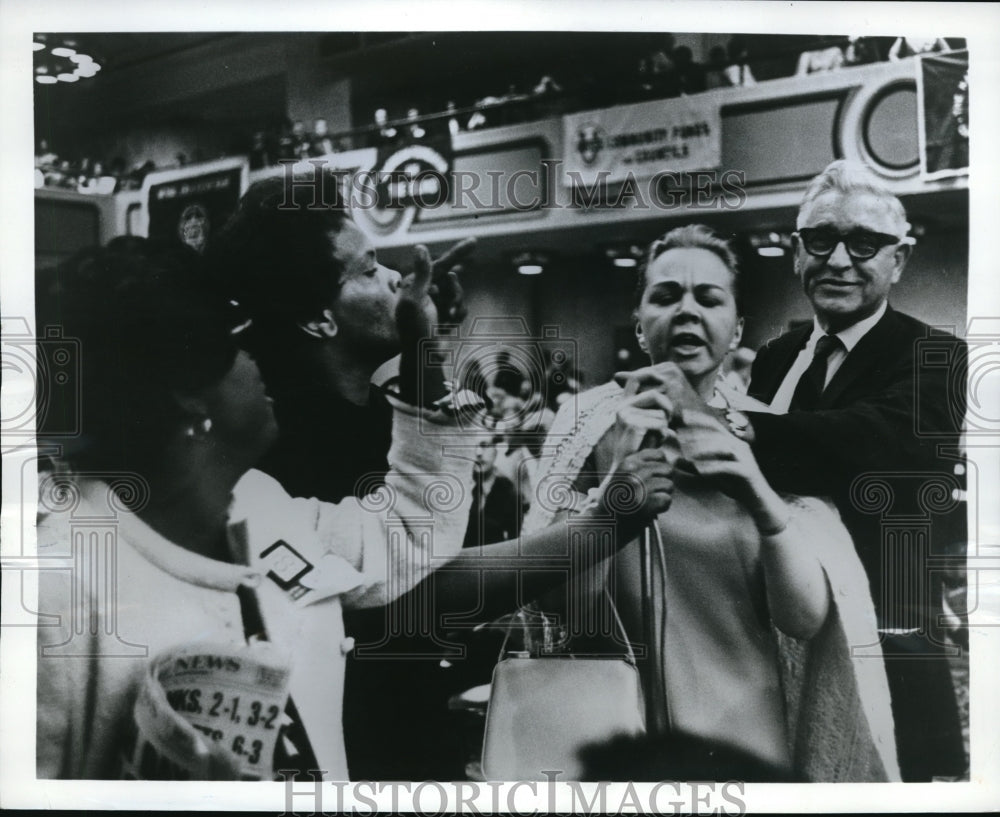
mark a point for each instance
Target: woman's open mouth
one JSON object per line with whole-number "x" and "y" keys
{"x": 686, "y": 343}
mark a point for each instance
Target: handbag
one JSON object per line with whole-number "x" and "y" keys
{"x": 544, "y": 710}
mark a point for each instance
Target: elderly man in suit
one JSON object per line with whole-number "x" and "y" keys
{"x": 862, "y": 422}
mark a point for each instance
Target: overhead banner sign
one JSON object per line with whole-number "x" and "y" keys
{"x": 639, "y": 141}
{"x": 412, "y": 175}
{"x": 410, "y": 172}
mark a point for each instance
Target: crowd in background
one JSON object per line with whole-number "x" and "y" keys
{"x": 663, "y": 70}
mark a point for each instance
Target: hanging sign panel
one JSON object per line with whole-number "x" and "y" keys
{"x": 189, "y": 204}
{"x": 639, "y": 141}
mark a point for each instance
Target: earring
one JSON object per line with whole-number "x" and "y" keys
{"x": 201, "y": 429}
{"x": 326, "y": 328}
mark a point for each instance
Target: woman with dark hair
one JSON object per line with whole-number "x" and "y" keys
{"x": 196, "y": 628}
{"x": 750, "y": 601}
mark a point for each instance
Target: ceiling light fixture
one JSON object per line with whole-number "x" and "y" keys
{"x": 623, "y": 256}
{"x": 771, "y": 244}
{"x": 63, "y": 62}
{"x": 530, "y": 263}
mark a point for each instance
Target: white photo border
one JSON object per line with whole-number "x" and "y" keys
{"x": 978, "y": 23}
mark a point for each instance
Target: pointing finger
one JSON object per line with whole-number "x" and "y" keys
{"x": 421, "y": 268}
{"x": 463, "y": 249}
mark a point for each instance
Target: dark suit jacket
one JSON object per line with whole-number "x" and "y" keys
{"x": 498, "y": 519}
{"x": 878, "y": 445}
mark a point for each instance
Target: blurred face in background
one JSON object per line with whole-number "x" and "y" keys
{"x": 486, "y": 457}
{"x": 504, "y": 404}
{"x": 687, "y": 314}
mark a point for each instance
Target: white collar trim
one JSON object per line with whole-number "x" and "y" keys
{"x": 171, "y": 558}
{"x": 852, "y": 335}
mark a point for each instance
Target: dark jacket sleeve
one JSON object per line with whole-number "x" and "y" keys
{"x": 893, "y": 418}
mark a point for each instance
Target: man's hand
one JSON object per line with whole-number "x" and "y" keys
{"x": 428, "y": 295}
{"x": 446, "y": 289}
{"x": 416, "y": 317}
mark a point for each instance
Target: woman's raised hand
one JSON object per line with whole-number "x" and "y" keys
{"x": 668, "y": 379}
{"x": 642, "y": 421}
{"x": 797, "y": 595}
{"x": 729, "y": 462}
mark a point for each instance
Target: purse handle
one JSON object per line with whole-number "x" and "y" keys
{"x": 629, "y": 654}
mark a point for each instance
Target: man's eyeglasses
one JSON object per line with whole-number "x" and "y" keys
{"x": 860, "y": 244}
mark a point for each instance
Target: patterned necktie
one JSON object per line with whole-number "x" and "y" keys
{"x": 811, "y": 384}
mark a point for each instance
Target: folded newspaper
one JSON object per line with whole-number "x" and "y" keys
{"x": 209, "y": 712}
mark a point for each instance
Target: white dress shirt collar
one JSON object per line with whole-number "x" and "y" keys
{"x": 852, "y": 334}
{"x": 850, "y": 337}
